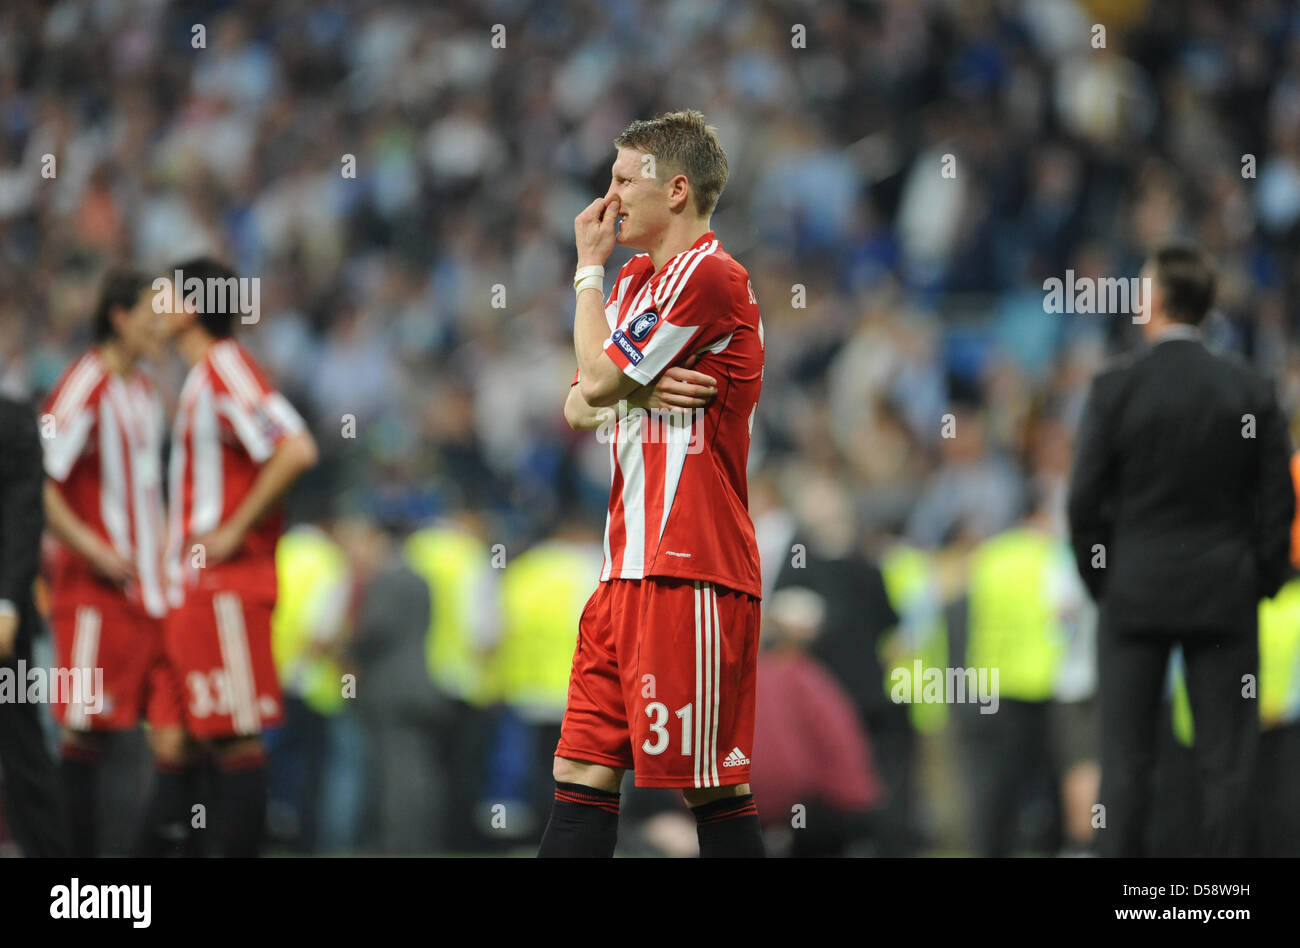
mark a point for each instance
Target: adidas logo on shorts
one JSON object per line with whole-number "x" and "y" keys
{"x": 735, "y": 759}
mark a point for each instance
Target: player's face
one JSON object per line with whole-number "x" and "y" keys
{"x": 141, "y": 329}
{"x": 172, "y": 323}
{"x": 643, "y": 199}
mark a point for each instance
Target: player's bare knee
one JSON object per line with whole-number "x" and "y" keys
{"x": 570, "y": 771}
{"x": 82, "y": 740}
{"x": 168, "y": 745}
{"x": 234, "y": 747}
{"x": 587, "y": 774}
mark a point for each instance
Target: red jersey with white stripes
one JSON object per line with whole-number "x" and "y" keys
{"x": 228, "y": 422}
{"x": 679, "y": 501}
{"x": 103, "y": 449}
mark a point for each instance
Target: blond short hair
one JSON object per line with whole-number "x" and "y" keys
{"x": 682, "y": 144}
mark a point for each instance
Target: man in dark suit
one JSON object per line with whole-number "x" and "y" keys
{"x": 31, "y": 791}
{"x": 1180, "y": 508}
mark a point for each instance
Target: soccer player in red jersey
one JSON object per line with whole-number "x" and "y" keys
{"x": 663, "y": 674}
{"x": 237, "y": 445}
{"x": 103, "y": 442}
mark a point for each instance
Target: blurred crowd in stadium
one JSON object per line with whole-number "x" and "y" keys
{"x": 913, "y": 441}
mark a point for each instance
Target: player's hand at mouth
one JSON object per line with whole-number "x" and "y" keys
{"x": 678, "y": 390}
{"x": 594, "y": 231}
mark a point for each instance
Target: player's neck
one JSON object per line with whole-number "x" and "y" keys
{"x": 115, "y": 359}
{"x": 680, "y": 235}
{"x": 1153, "y": 326}
{"x": 193, "y": 344}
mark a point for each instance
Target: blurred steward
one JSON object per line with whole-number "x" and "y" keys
{"x": 401, "y": 709}
{"x": 309, "y": 632}
{"x": 1026, "y": 622}
{"x": 543, "y": 592}
{"x": 456, "y": 564}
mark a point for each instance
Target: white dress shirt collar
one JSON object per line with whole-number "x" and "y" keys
{"x": 1178, "y": 331}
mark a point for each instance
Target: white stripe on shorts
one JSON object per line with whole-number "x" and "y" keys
{"x": 708, "y": 679}
{"x": 233, "y": 640}
{"x": 85, "y": 651}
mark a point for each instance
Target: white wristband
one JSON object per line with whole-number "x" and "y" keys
{"x": 583, "y": 273}
{"x": 592, "y": 282}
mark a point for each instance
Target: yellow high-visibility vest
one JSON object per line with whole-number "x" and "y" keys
{"x": 1279, "y": 667}
{"x": 456, "y": 566}
{"x": 1014, "y": 626}
{"x": 311, "y": 572}
{"x": 543, "y": 593}
{"x": 909, "y": 579}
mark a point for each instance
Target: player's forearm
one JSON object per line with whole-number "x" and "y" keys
{"x": 601, "y": 382}
{"x": 70, "y": 529}
{"x": 580, "y": 415}
{"x": 292, "y": 456}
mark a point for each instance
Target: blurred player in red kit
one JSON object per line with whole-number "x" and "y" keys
{"x": 103, "y": 440}
{"x": 663, "y": 674}
{"x": 237, "y": 445}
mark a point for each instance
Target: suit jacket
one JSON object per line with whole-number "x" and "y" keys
{"x": 1181, "y": 473}
{"x": 22, "y": 513}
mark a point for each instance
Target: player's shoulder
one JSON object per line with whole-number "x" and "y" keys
{"x": 639, "y": 264}
{"x": 84, "y": 370}
{"x": 714, "y": 271}
{"x": 79, "y": 385}
{"x": 236, "y": 369}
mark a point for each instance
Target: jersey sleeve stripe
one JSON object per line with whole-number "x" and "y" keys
{"x": 61, "y": 452}
{"x": 238, "y": 379}
{"x": 73, "y": 418}
{"x": 69, "y": 383}
{"x": 281, "y": 411}
{"x": 644, "y": 364}
{"x": 77, "y": 390}
{"x": 667, "y": 344}
{"x": 259, "y": 446}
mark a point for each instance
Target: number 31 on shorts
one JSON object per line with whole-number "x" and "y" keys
{"x": 657, "y": 712}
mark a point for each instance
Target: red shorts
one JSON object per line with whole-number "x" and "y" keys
{"x": 663, "y": 682}
{"x": 122, "y": 646}
{"x": 220, "y": 644}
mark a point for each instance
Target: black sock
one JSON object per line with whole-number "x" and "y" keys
{"x": 166, "y": 821}
{"x": 241, "y": 800}
{"x": 200, "y": 789}
{"x": 79, "y": 777}
{"x": 729, "y": 828}
{"x": 584, "y": 823}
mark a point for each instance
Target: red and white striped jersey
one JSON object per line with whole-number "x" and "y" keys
{"x": 679, "y": 499}
{"x": 228, "y": 421}
{"x": 103, "y": 449}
